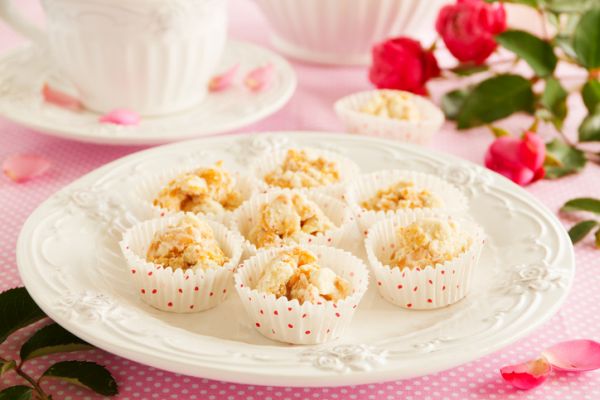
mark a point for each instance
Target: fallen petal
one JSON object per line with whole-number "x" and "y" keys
{"x": 259, "y": 78}
{"x": 22, "y": 167}
{"x": 574, "y": 355}
{"x": 61, "y": 99}
{"x": 527, "y": 375}
{"x": 121, "y": 117}
{"x": 223, "y": 81}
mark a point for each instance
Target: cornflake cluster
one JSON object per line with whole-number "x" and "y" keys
{"x": 295, "y": 274}
{"x": 394, "y": 105}
{"x": 401, "y": 195}
{"x": 298, "y": 170}
{"x": 189, "y": 244}
{"x": 206, "y": 190}
{"x": 428, "y": 242}
{"x": 286, "y": 219}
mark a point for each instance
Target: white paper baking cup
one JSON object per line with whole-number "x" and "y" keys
{"x": 366, "y": 186}
{"x": 289, "y": 321}
{"x": 178, "y": 291}
{"x": 357, "y": 122}
{"x": 151, "y": 185}
{"x": 434, "y": 286}
{"x": 248, "y": 215}
{"x": 348, "y": 169}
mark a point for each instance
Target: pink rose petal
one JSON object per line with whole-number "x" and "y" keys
{"x": 61, "y": 99}
{"x": 223, "y": 81}
{"x": 22, "y": 167}
{"x": 527, "y": 375}
{"x": 574, "y": 355}
{"x": 259, "y": 78}
{"x": 121, "y": 116}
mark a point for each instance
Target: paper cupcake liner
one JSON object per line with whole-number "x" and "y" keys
{"x": 291, "y": 322}
{"x": 151, "y": 185}
{"x": 348, "y": 169}
{"x": 366, "y": 186}
{"x": 178, "y": 291}
{"x": 358, "y": 122}
{"x": 421, "y": 289}
{"x": 247, "y": 216}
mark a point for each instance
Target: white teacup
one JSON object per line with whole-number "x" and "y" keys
{"x": 343, "y": 31}
{"x": 151, "y": 56}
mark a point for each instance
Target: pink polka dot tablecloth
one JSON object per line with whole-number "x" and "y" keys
{"x": 309, "y": 109}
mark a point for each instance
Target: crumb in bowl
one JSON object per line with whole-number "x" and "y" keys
{"x": 428, "y": 242}
{"x": 286, "y": 219}
{"x": 208, "y": 190}
{"x": 295, "y": 274}
{"x": 401, "y": 195}
{"x": 393, "y": 105}
{"x": 299, "y": 170}
{"x": 189, "y": 244}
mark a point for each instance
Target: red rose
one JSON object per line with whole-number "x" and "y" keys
{"x": 401, "y": 63}
{"x": 468, "y": 28}
{"x": 520, "y": 160}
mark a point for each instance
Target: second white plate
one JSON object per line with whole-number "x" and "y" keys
{"x": 70, "y": 262}
{"x": 24, "y": 71}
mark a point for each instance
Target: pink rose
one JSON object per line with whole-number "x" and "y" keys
{"x": 519, "y": 159}
{"x": 468, "y": 28}
{"x": 401, "y": 63}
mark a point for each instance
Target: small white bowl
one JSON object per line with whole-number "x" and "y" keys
{"x": 358, "y": 122}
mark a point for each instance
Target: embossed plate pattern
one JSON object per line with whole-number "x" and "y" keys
{"x": 24, "y": 71}
{"x": 69, "y": 260}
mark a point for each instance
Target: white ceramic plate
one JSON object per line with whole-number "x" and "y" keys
{"x": 24, "y": 71}
{"x": 70, "y": 262}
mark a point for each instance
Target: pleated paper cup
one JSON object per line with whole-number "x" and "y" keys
{"x": 248, "y": 215}
{"x": 348, "y": 110}
{"x": 348, "y": 169}
{"x": 178, "y": 291}
{"x": 434, "y": 286}
{"x": 151, "y": 185}
{"x": 367, "y": 186}
{"x": 289, "y": 321}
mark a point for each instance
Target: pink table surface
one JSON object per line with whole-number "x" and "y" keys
{"x": 309, "y": 109}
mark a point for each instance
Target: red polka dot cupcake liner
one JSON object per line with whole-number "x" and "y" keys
{"x": 348, "y": 169}
{"x": 247, "y": 217}
{"x": 291, "y": 322}
{"x": 434, "y": 286}
{"x": 177, "y": 290}
{"x": 366, "y": 187}
{"x": 358, "y": 122}
{"x": 151, "y": 185}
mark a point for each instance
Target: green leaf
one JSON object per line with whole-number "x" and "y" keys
{"x": 581, "y": 229}
{"x": 562, "y": 159}
{"x": 499, "y": 132}
{"x": 591, "y": 95}
{"x": 589, "y": 130}
{"x": 17, "y": 393}
{"x": 597, "y": 237}
{"x": 582, "y": 204}
{"x": 52, "y": 339}
{"x": 586, "y": 40}
{"x": 554, "y": 99}
{"x": 6, "y": 366}
{"x": 469, "y": 69}
{"x": 17, "y": 310}
{"x": 536, "y": 52}
{"x": 86, "y": 374}
{"x": 530, "y": 3}
{"x": 566, "y": 44}
{"x": 453, "y": 101}
{"x": 494, "y": 99}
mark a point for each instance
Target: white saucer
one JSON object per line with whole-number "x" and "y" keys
{"x": 24, "y": 71}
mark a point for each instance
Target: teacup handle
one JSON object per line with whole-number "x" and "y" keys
{"x": 19, "y": 23}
